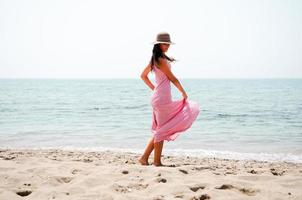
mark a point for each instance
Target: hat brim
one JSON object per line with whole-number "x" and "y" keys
{"x": 158, "y": 42}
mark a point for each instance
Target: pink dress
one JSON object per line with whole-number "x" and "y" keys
{"x": 170, "y": 118}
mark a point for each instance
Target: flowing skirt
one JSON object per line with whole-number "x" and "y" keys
{"x": 171, "y": 119}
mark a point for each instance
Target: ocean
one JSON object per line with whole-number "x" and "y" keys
{"x": 257, "y": 119}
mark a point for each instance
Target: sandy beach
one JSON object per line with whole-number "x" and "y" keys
{"x": 62, "y": 174}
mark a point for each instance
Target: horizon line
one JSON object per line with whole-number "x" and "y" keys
{"x": 149, "y": 78}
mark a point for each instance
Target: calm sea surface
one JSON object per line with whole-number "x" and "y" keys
{"x": 243, "y": 119}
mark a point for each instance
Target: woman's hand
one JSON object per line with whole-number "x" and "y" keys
{"x": 184, "y": 95}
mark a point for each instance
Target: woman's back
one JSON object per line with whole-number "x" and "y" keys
{"x": 160, "y": 77}
{"x": 162, "y": 90}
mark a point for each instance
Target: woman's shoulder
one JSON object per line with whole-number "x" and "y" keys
{"x": 163, "y": 60}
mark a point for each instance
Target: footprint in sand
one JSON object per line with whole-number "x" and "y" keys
{"x": 23, "y": 193}
{"x": 252, "y": 171}
{"x": 161, "y": 180}
{"x": 129, "y": 188}
{"x": 180, "y": 196}
{"x": 201, "y": 197}
{"x": 247, "y": 191}
{"x": 120, "y": 188}
{"x": 195, "y": 188}
{"x": 277, "y": 172}
{"x": 75, "y": 171}
{"x": 138, "y": 186}
{"x": 160, "y": 197}
{"x": 7, "y": 157}
{"x": 201, "y": 168}
{"x": 87, "y": 160}
{"x": 183, "y": 171}
{"x": 224, "y": 186}
{"x": 228, "y": 172}
{"x": 63, "y": 179}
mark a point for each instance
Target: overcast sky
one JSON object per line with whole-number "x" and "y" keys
{"x": 112, "y": 39}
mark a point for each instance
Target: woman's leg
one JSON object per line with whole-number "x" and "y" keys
{"x": 158, "y": 147}
{"x": 144, "y": 159}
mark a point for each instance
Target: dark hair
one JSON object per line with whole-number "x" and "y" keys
{"x": 156, "y": 54}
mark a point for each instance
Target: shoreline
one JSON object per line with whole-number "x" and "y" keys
{"x": 196, "y": 153}
{"x": 76, "y": 174}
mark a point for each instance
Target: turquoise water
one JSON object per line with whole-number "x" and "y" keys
{"x": 243, "y": 119}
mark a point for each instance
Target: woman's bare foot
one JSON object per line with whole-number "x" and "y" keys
{"x": 158, "y": 164}
{"x": 143, "y": 161}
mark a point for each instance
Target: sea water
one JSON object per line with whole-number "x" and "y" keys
{"x": 257, "y": 119}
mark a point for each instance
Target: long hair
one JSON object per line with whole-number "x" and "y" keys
{"x": 156, "y": 54}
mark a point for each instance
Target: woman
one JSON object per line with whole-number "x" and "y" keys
{"x": 170, "y": 118}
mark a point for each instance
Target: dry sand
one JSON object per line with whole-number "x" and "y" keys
{"x": 62, "y": 174}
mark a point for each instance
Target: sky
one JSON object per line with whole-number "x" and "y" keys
{"x": 113, "y": 39}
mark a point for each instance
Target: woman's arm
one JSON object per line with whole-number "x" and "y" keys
{"x": 144, "y": 76}
{"x": 165, "y": 69}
